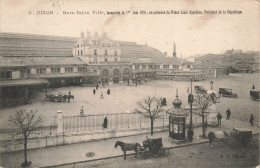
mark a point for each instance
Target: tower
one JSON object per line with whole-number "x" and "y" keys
{"x": 174, "y": 50}
{"x": 82, "y": 35}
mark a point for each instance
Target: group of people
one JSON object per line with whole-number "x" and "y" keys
{"x": 101, "y": 93}
{"x": 228, "y": 114}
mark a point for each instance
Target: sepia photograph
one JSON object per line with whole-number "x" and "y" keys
{"x": 129, "y": 84}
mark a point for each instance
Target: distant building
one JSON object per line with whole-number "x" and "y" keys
{"x": 216, "y": 65}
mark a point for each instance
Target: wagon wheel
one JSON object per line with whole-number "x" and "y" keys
{"x": 161, "y": 152}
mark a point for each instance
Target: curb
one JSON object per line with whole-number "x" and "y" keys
{"x": 105, "y": 158}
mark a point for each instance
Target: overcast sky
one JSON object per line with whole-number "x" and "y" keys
{"x": 193, "y": 34}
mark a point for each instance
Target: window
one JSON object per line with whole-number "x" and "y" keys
{"x": 188, "y": 66}
{"x": 55, "y": 70}
{"x": 175, "y": 66}
{"x": 143, "y": 66}
{"x": 78, "y": 52}
{"x": 157, "y": 66}
{"x": 40, "y": 71}
{"x": 115, "y": 59}
{"x": 69, "y": 69}
{"x": 136, "y": 66}
{"x": 115, "y": 53}
{"x": 95, "y": 52}
{"x": 81, "y": 52}
{"x": 150, "y": 66}
{"x": 105, "y": 52}
{"x": 81, "y": 69}
{"x": 6, "y": 75}
{"x": 105, "y": 59}
{"x": 165, "y": 66}
{"x": 78, "y": 45}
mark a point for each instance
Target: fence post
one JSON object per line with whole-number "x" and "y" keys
{"x": 59, "y": 122}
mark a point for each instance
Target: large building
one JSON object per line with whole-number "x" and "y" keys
{"x": 32, "y": 62}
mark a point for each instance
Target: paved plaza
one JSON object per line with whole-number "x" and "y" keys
{"x": 123, "y": 98}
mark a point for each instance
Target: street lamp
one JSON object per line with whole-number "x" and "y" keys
{"x": 211, "y": 84}
{"x": 190, "y": 100}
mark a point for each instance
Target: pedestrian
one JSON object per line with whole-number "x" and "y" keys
{"x": 251, "y": 120}
{"x": 211, "y": 137}
{"x": 228, "y": 114}
{"x": 128, "y": 82}
{"x": 81, "y": 111}
{"x": 136, "y": 83}
{"x": 190, "y": 134}
{"x": 108, "y": 91}
{"x": 69, "y": 96}
{"x": 101, "y": 96}
{"x": 97, "y": 86}
{"x": 105, "y": 123}
{"x": 219, "y": 117}
{"x": 94, "y": 91}
{"x": 188, "y": 89}
{"x": 253, "y": 87}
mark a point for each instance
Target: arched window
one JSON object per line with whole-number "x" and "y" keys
{"x": 116, "y": 72}
{"x": 104, "y": 72}
{"x": 126, "y": 72}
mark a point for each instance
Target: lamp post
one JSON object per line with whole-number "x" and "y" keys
{"x": 211, "y": 84}
{"x": 190, "y": 100}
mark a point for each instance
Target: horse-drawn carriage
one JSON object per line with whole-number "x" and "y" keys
{"x": 151, "y": 147}
{"x": 254, "y": 94}
{"x": 200, "y": 89}
{"x": 59, "y": 97}
{"x": 227, "y": 93}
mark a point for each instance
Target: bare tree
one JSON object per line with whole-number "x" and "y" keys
{"x": 25, "y": 122}
{"x": 203, "y": 102}
{"x": 150, "y": 107}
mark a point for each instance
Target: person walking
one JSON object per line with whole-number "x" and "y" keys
{"x": 69, "y": 96}
{"x": 108, "y": 91}
{"x": 101, "y": 96}
{"x": 94, "y": 91}
{"x": 97, "y": 86}
{"x": 251, "y": 120}
{"x": 81, "y": 111}
{"x": 219, "y": 117}
{"x": 253, "y": 87}
{"x": 228, "y": 112}
{"x": 190, "y": 133}
{"x": 105, "y": 122}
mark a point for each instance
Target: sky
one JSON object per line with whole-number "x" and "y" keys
{"x": 192, "y": 34}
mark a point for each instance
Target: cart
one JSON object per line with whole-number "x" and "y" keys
{"x": 254, "y": 94}
{"x": 227, "y": 93}
{"x": 200, "y": 89}
{"x": 153, "y": 147}
{"x": 242, "y": 135}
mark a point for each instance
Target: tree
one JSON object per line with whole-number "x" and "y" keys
{"x": 203, "y": 102}
{"x": 150, "y": 107}
{"x": 25, "y": 122}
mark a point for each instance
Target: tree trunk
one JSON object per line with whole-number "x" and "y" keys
{"x": 151, "y": 126}
{"x": 25, "y": 149}
{"x": 203, "y": 125}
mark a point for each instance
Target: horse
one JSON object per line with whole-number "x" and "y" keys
{"x": 216, "y": 135}
{"x": 65, "y": 97}
{"x": 128, "y": 147}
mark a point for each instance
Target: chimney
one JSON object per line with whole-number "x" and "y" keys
{"x": 174, "y": 50}
{"x": 82, "y": 35}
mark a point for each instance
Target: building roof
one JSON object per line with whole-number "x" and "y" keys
{"x": 10, "y": 62}
{"x": 156, "y": 60}
{"x": 22, "y": 82}
{"x": 29, "y": 61}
